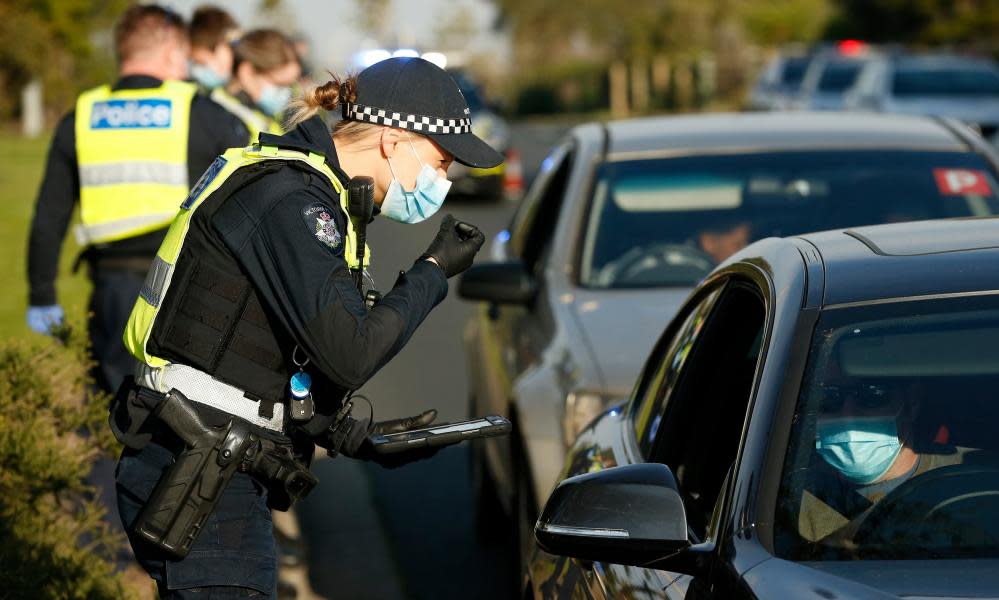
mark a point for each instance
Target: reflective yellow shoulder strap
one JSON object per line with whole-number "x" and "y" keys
{"x": 140, "y": 322}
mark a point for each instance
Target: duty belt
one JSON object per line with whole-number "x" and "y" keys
{"x": 201, "y": 387}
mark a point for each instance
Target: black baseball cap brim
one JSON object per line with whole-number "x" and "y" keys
{"x": 468, "y": 149}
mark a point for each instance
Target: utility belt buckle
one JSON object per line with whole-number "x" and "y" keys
{"x": 339, "y": 429}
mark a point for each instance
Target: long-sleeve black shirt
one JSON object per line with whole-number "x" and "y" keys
{"x": 212, "y": 131}
{"x": 275, "y": 229}
{"x": 283, "y": 230}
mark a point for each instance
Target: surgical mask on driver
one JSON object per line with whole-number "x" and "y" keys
{"x": 419, "y": 204}
{"x": 862, "y": 449}
{"x": 273, "y": 99}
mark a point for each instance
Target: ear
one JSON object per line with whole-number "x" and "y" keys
{"x": 389, "y": 141}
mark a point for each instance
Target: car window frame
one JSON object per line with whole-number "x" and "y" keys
{"x": 761, "y": 288}
{"x": 536, "y": 201}
{"x": 661, "y": 356}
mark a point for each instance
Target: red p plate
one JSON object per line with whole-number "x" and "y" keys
{"x": 962, "y": 182}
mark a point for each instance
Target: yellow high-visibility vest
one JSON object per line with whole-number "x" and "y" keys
{"x": 143, "y": 317}
{"x": 255, "y": 120}
{"x": 131, "y": 150}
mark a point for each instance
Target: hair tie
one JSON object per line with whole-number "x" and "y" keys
{"x": 343, "y": 93}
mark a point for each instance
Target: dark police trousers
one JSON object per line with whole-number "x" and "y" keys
{"x": 114, "y": 295}
{"x": 233, "y": 557}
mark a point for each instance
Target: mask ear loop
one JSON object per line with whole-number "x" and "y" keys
{"x": 409, "y": 138}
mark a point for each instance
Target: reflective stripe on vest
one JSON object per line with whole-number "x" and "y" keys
{"x": 254, "y": 120}
{"x": 157, "y": 283}
{"x": 131, "y": 148}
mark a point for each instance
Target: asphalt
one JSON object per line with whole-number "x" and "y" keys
{"x": 411, "y": 532}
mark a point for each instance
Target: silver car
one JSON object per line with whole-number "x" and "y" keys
{"x": 779, "y": 82}
{"x": 963, "y": 88}
{"x": 623, "y": 221}
{"x": 828, "y": 79}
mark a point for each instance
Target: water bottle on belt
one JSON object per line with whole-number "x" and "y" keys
{"x": 300, "y": 404}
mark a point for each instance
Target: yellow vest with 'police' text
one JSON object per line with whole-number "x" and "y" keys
{"x": 154, "y": 290}
{"x": 131, "y": 148}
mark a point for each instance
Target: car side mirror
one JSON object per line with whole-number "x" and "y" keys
{"x": 505, "y": 282}
{"x": 629, "y": 515}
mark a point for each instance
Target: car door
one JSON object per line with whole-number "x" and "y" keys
{"x": 512, "y": 337}
{"x": 691, "y": 417}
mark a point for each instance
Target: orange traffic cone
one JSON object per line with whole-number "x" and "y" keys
{"x": 513, "y": 180}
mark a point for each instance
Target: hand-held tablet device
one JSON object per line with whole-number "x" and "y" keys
{"x": 443, "y": 434}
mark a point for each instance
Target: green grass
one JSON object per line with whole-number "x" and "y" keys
{"x": 22, "y": 162}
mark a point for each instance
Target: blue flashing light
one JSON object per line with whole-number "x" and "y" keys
{"x": 503, "y": 236}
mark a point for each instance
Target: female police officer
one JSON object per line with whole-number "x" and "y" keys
{"x": 254, "y": 292}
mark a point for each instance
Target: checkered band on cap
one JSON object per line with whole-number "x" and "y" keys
{"x": 381, "y": 116}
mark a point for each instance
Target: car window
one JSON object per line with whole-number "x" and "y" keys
{"x": 704, "y": 414}
{"x": 838, "y": 76}
{"x": 663, "y": 369}
{"x": 893, "y": 452}
{"x": 537, "y": 216}
{"x": 794, "y": 71}
{"x": 953, "y": 81}
{"x": 661, "y": 222}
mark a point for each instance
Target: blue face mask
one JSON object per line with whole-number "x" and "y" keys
{"x": 274, "y": 99}
{"x": 206, "y": 76}
{"x": 862, "y": 449}
{"x": 420, "y": 204}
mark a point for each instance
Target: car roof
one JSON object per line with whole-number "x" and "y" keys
{"x": 921, "y": 258}
{"x": 773, "y": 132}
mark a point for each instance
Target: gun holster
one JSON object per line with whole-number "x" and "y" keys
{"x": 190, "y": 489}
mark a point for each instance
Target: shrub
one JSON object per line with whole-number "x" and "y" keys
{"x": 53, "y": 542}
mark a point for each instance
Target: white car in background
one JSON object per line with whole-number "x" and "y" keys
{"x": 941, "y": 85}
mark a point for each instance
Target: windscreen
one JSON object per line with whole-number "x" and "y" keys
{"x": 669, "y": 221}
{"x": 893, "y": 451}
{"x": 794, "y": 71}
{"x": 914, "y": 82}
{"x": 838, "y": 76}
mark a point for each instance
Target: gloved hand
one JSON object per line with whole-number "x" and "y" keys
{"x": 364, "y": 449}
{"x": 43, "y": 319}
{"x": 455, "y": 246}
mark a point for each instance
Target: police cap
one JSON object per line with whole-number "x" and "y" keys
{"x": 417, "y": 95}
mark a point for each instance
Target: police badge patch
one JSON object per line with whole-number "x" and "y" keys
{"x": 319, "y": 219}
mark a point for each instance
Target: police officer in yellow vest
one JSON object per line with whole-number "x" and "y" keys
{"x": 251, "y": 329}
{"x": 265, "y": 68}
{"x": 128, "y": 153}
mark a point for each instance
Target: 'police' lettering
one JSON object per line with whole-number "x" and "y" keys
{"x": 150, "y": 113}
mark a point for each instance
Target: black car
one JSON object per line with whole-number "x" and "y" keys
{"x": 818, "y": 421}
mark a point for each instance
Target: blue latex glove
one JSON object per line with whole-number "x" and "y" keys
{"x": 42, "y": 319}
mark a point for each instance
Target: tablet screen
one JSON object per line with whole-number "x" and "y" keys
{"x": 462, "y": 427}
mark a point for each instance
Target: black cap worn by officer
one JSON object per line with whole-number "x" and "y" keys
{"x": 262, "y": 290}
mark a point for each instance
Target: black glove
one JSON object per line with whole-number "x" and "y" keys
{"x": 360, "y": 446}
{"x": 455, "y": 246}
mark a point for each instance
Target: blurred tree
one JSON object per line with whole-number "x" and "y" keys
{"x": 64, "y": 43}
{"x": 456, "y": 30}
{"x": 780, "y": 22}
{"x": 662, "y": 41}
{"x": 372, "y": 17}
{"x": 963, "y": 22}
